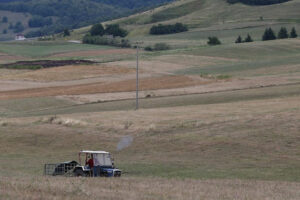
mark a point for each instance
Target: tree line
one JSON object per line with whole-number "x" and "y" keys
{"x": 97, "y": 32}
{"x": 269, "y": 34}
{"x": 111, "y": 29}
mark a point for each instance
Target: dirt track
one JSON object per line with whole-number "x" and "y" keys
{"x": 165, "y": 82}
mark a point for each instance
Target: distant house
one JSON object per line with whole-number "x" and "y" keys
{"x": 20, "y": 37}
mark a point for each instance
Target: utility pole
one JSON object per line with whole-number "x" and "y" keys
{"x": 137, "y": 75}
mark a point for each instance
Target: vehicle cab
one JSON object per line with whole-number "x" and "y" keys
{"x": 96, "y": 163}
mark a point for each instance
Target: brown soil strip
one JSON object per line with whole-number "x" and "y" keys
{"x": 48, "y": 63}
{"x": 153, "y": 83}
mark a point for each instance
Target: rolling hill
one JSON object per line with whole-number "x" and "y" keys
{"x": 52, "y": 16}
{"x": 208, "y": 18}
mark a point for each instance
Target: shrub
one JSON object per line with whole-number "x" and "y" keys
{"x": 4, "y": 31}
{"x": 282, "y": 34}
{"x": 10, "y": 26}
{"x": 238, "y": 40}
{"x": 18, "y": 27}
{"x": 268, "y": 35}
{"x": 161, "y": 47}
{"x": 115, "y": 30}
{"x": 66, "y": 33}
{"x": 168, "y": 29}
{"x": 158, "y": 47}
{"x": 293, "y": 33}
{"x": 97, "y": 29}
{"x": 213, "y": 41}
{"x": 248, "y": 39}
{"x": 4, "y": 19}
{"x": 148, "y": 48}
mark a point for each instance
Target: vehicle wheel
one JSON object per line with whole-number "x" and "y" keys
{"x": 79, "y": 172}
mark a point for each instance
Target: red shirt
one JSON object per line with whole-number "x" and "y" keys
{"x": 90, "y": 162}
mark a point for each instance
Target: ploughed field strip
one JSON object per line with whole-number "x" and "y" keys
{"x": 152, "y": 83}
{"x": 37, "y": 64}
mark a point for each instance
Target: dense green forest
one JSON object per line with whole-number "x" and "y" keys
{"x": 258, "y": 2}
{"x": 61, "y": 14}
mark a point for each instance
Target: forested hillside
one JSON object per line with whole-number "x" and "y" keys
{"x": 52, "y": 16}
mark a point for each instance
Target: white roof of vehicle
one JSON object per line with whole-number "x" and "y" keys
{"x": 93, "y": 152}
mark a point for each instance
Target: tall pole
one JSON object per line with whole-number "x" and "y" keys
{"x": 137, "y": 77}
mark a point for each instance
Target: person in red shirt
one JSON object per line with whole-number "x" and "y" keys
{"x": 90, "y": 163}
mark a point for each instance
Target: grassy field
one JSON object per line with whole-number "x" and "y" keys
{"x": 240, "y": 139}
{"x": 215, "y": 122}
{"x": 43, "y": 49}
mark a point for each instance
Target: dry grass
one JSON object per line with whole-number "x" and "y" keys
{"x": 66, "y": 73}
{"x": 144, "y": 188}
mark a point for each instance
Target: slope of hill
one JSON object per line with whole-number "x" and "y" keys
{"x": 72, "y": 13}
{"x": 208, "y": 18}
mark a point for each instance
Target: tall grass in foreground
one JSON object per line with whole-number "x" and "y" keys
{"x": 143, "y": 188}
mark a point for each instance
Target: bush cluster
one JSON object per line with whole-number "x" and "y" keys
{"x": 17, "y": 28}
{"x": 213, "y": 41}
{"x": 102, "y": 40}
{"x": 111, "y": 29}
{"x": 161, "y": 29}
{"x": 157, "y": 47}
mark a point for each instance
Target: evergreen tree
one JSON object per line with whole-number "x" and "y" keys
{"x": 293, "y": 33}
{"x": 238, "y": 40}
{"x": 248, "y": 39}
{"x": 11, "y": 26}
{"x": 4, "y": 31}
{"x": 4, "y": 19}
{"x": 97, "y": 29}
{"x": 18, "y": 28}
{"x": 66, "y": 32}
{"x": 282, "y": 34}
{"x": 269, "y": 35}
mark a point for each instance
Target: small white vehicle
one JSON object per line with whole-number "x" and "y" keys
{"x": 97, "y": 163}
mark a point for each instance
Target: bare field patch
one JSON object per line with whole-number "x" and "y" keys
{"x": 66, "y": 73}
{"x": 151, "y": 83}
{"x": 145, "y": 188}
{"x": 217, "y": 86}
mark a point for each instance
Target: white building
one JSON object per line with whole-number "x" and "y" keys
{"x": 20, "y": 37}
